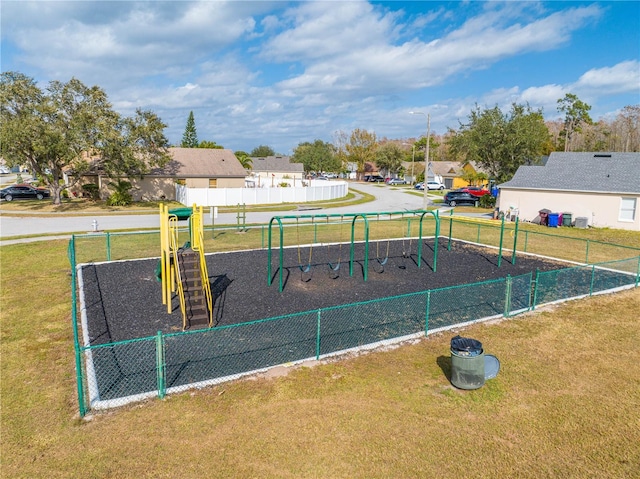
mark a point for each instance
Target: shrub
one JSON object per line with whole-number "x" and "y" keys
{"x": 121, "y": 195}
{"x": 487, "y": 201}
{"x": 91, "y": 190}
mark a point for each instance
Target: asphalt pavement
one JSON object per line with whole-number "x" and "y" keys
{"x": 51, "y": 226}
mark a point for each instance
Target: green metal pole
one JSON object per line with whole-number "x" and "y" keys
{"x": 515, "y": 242}
{"x": 501, "y": 240}
{"x": 507, "y": 299}
{"x": 160, "y": 376}
{"x": 108, "y": 246}
{"x": 319, "y": 315}
{"x": 526, "y": 240}
{"x": 435, "y": 245}
{"x": 76, "y": 340}
{"x": 535, "y": 290}
{"x": 366, "y": 248}
{"x": 586, "y": 258}
{"x": 426, "y": 318}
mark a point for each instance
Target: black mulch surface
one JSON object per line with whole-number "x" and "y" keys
{"x": 123, "y": 300}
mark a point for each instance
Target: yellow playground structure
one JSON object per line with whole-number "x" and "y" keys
{"x": 183, "y": 269}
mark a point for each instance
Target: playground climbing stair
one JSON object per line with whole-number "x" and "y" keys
{"x": 196, "y": 312}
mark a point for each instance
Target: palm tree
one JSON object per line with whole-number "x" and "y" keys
{"x": 245, "y": 161}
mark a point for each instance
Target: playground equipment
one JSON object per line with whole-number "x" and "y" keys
{"x": 183, "y": 269}
{"x": 354, "y": 217}
{"x": 495, "y": 223}
{"x": 335, "y": 266}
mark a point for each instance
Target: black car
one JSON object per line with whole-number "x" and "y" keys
{"x": 16, "y": 192}
{"x": 454, "y": 198}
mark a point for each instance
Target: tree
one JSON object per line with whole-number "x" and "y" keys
{"x": 499, "y": 142}
{"x": 210, "y": 144}
{"x": 244, "y": 159}
{"x": 316, "y": 156}
{"x": 627, "y": 126}
{"x": 262, "y": 151}
{"x": 190, "y": 136}
{"x": 576, "y": 114}
{"x": 361, "y": 149}
{"x": 72, "y": 128}
{"x": 389, "y": 157}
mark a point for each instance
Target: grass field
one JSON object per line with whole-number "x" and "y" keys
{"x": 565, "y": 403}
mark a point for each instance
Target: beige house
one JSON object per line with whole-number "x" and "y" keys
{"x": 271, "y": 171}
{"x": 192, "y": 167}
{"x": 595, "y": 189}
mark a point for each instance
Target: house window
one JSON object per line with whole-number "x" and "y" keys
{"x": 628, "y": 209}
{"x": 213, "y": 183}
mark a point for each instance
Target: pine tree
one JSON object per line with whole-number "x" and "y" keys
{"x": 190, "y": 137}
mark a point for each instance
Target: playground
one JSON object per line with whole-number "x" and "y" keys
{"x": 123, "y": 298}
{"x": 210, "y": 318}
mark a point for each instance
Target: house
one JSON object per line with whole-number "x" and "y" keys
{"x": 271, "y": 171}
{"x": 602, "y": 189}
{"x": 192, "y": 167}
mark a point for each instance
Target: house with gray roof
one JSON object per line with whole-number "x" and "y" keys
{"x": 601, "y": 189}
{"x": 273, "y": 170}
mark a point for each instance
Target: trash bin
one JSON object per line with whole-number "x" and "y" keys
{"x": 544, "y": 216}
{"x": 582, "y": 222}
{"x": 566, "y": 219}
{"x": 553, "y": 220}
{"x": 467, "y": 363}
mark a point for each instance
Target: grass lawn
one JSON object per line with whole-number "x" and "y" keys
{"x": 565, "y": 403}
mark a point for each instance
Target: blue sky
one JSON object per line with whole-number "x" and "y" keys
{"x": 281, "y": 73}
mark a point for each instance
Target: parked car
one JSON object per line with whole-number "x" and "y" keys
{"x": 4, "y": 170}
{"x": 475, "y": 190}
{"x": 396, "y": 181}
{"x": 376, "y": 178}
{"x": 16, "y": 192}
{"x": 419, "y": 186}
{"x": 454, "y": 198}
{"x": 434, "y": 185}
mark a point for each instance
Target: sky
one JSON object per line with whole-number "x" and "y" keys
{"x": 282, "y": 73}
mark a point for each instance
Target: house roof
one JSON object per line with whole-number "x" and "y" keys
{"x": 447, "y": 168}
{"x": 201, "y": 163}
{"x": 585, "y": 171}
{"x": 275, "y": 163}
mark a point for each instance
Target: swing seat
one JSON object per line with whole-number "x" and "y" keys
{"x": 383, "y": 261}
{"x": 305, "y": 269}
{"x": 334, "y": 268}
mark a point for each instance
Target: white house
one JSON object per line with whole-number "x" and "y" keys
{"x": 602, "y": 189}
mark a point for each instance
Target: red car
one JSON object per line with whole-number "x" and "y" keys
{"x": 475, "y": 190}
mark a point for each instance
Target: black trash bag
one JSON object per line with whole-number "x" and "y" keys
{"x": 466, "y": 346}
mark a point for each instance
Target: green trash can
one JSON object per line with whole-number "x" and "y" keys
{"x": 467, "y": 363}
{"x": 566, "y": 219}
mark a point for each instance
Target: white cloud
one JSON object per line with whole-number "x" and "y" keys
{"x": 623, "y": 77}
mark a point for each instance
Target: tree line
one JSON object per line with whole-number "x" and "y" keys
{"x": 72, "y": 129}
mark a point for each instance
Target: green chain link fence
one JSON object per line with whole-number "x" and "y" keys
{"x": 114, "y": 374}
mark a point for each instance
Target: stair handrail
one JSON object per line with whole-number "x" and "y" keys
{"x": 173, "y": 244}
{"x": 197, "y": 245}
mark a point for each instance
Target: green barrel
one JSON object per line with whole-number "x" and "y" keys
{"x": 467, "y": 363}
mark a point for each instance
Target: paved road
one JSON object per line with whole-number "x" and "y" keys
{"x": 387, "y": 199}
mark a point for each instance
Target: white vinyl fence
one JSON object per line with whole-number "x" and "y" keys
{"x": 318, "y": 190}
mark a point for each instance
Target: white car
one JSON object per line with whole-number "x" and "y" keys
{"x": 4, "y": 170}
{"x": 435, "y": 185}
